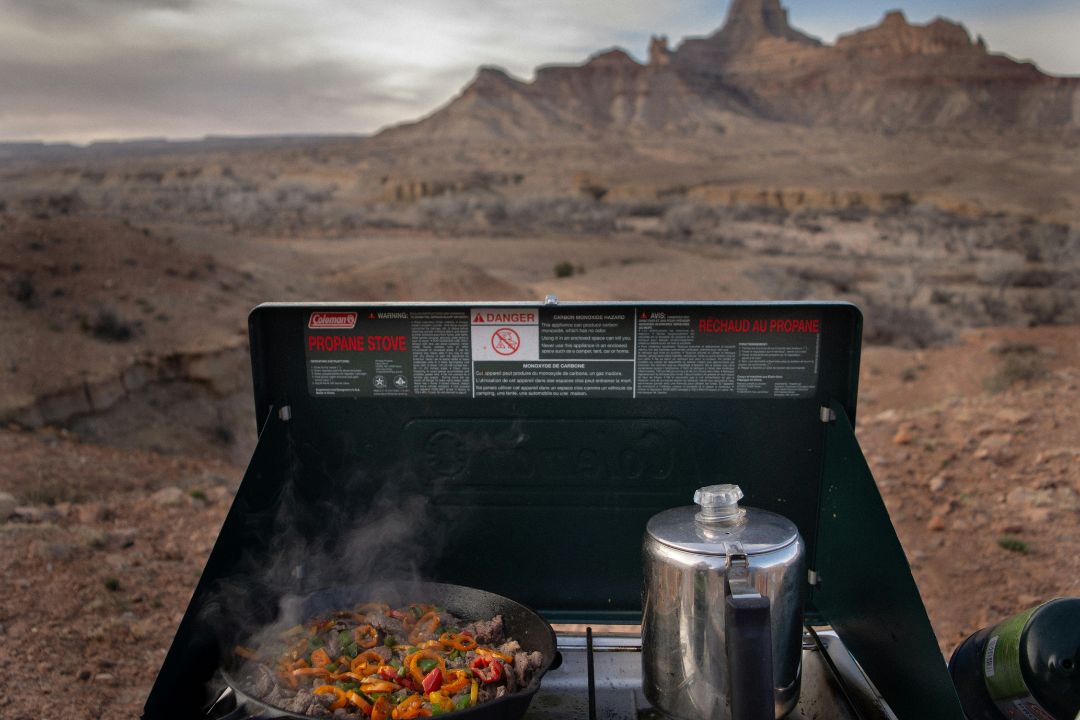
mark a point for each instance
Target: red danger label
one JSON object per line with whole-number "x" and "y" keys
{"x": 506, "y": 317}
{"x": 505, "y": 341}
{"x": 332, "y": 321}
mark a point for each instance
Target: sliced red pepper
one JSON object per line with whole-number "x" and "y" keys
{"x": 389, "y": 672}
{"x": 486, "y": 669}
{"x": 433, "y": 680}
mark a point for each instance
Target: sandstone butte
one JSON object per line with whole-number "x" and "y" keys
{"x": 892, "y": 77}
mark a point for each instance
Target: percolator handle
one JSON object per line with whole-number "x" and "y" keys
{"x": 749, "y": 646}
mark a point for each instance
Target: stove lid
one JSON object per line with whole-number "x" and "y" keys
{"x": 522, "y": 448}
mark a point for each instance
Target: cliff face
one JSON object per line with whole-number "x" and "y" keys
{"x": 892, "y": 76}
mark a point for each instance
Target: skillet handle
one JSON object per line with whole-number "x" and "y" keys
{"x": 556, "y": 662}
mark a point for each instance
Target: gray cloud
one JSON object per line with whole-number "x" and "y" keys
{"x": 89, "y": 69}
{"x": 58, "y": 13}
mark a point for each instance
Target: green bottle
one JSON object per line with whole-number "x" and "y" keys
{"x": 1025, "y": 668}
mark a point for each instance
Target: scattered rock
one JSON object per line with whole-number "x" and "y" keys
{"x": 169, "y": 497}
{"x": 996, "y": 448}
{"x": 36, "y": 514}
{"x": 84, "y": 674}
{"x": 885, "y": 416}
{"x": 91, "y": 537}
{"x": 903, "y": 436}
{"x": 53, "y": 550}
{"x": 1012, "y": 416}
{"x": 1059, "y": 498}
{"x": 937, "y": 483}
{"x": 8, "y": 503}
{"x": 107, "y": 678}
{"x": 936, "y": 523}
{"x": 123, "y": 537}
{"x": 219, "y": 493}
{"x": 89, "y": 513}
{"x": 1056, "y": 454}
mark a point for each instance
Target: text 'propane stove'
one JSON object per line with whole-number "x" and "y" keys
{"x": 521, "y": 449}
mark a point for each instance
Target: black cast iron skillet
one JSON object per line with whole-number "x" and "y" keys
{"x": 520, "y": 623}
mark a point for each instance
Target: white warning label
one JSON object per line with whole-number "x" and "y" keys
{"x": 505, "y": 334}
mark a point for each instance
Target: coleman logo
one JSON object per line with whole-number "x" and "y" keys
{"x": 332, "y": 320}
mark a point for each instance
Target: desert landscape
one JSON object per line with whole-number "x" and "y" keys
{"x": 906, "y": 168}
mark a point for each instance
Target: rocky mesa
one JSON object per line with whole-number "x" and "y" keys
{"x": 893, "y": 76}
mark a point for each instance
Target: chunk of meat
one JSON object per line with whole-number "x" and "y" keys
{"x": 387, "y": 625}
{"x": 262, "y": 682}
{"x": 306, "y": 703}
{"x": 524, "y": 665}
{"x": 487, "y": 632}
{"x": 509, "y": 647}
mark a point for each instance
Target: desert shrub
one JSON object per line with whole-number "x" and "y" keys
{"x": 22, "y": 290}
{"x": 1012, "y": 544}
{"x": 643, "y": 209}
{"x": 106, "y": 325}
{"x": 561, "y": 214}
{"x": 839, "y": 280}
{"x": 564, "y": 269}
{"x": 852, "y": 214}
{"x": 1049, "y": 308}
{"x": 1015, "y": 368}
{"x": 941, "y": 297}
{"x": 994, "y": 308}
{"x": 899, "y": 325}
{"x": 687, "y": 219}
{"x": 1015, "y": 348}
{"x": 760, "y": 213}
{"x": 779, "y": 283}
{"x": 455, "y": 213}
{"x": 593, "y": 189}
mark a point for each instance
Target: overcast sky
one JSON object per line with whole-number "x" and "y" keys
{"x": 80, "y": 70}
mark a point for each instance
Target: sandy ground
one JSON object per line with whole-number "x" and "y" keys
{"x": 101, "y": 555}
{"x": 127, "y": 319}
